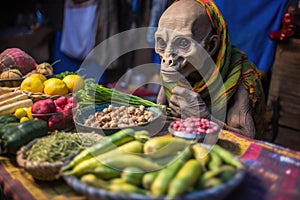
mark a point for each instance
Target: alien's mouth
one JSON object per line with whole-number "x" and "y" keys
{"x": 182, "y": 71}
{"x": 180, "y": 64}
{"x": 171, "y": 75}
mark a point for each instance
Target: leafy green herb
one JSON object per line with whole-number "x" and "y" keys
{"x": 63, "y": 74}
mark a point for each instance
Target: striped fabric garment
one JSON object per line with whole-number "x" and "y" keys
{"x": 234, "y": 68}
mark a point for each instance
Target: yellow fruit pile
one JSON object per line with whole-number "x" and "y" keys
{"x": 74, "y": 82}
{"x": 23, "y": 114}
{"x": 32, "y": 84}
{"x": 38, "y": 83}
{"x": 55, "y": 86}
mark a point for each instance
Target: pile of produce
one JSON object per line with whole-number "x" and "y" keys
{"x": 94, "y": 93}
{"x": 130, "y": 162}
{"x": 12, "y": 100}
{"x": 121, "y": 117}
{"x": 57, "y": 146}
{"x": 13, "y": 134}
{"x": 23, "y": 117}
{"x": 15, "y": 63}
{"x": 194, "y": 125}
{"x": 57, "y": 113}
{"x": 37, "y": 83}
{"x": 44, "y": 157}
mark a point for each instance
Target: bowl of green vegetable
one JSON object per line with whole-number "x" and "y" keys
{"x": 191, "y": 174}
{"x": 43, "y": 157}
{"x": 107, "y": 119}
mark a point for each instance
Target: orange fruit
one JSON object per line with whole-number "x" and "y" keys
{"x": 74, "y": 82}
{"x": 55, "y": 86}
{"x": 32, "y": 84}
{"x": 40, "y": 76}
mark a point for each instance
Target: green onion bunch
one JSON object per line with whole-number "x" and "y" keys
{"x": 94, "y": 93}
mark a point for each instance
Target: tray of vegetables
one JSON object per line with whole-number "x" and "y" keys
{"x": 131, "y": 165}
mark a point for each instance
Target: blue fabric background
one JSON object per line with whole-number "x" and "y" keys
{"x": 249, "y": 24}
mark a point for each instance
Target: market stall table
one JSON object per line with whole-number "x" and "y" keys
{"x": 273, "y": 172}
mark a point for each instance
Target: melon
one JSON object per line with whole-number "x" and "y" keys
{"x": 11, "y": 73}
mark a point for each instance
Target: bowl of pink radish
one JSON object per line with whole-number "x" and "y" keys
{"x": 194, "y": 128}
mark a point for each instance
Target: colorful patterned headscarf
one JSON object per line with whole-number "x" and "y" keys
{"x": 234, "y": 68}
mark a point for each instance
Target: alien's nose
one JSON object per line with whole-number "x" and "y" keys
{"x": 168, "y": 61}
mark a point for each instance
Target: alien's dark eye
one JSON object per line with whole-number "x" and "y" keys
{"x": 161, "y": 44}
{"x": 182, "y": 43}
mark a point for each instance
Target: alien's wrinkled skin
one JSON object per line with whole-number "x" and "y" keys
{"x": 184, "y": 39}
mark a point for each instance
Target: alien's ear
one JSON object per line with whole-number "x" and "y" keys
{"x": 214, "y": 43}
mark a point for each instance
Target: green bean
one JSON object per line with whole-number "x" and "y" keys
{"x": 227, "y": 156}
{"x": 215, "y": 173}
{"x": 106, "y": 144}
{"x": 228, "y": 173}
{"x": 91, "y": 179}
{"x": 57, "y": 147}
{"x": 85, "y": 166}
{"x": 164, "y": 177}
{"x": 105, "y": 172}
{"x": 215, "y": 161}
{"x": 148, "y": 179}
{"x": 212, "y": 183}
{"x": 185, "y": 178}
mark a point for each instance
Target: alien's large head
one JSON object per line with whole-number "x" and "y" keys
{"x": 185, "y": 39}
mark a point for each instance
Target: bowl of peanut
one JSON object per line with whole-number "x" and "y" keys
{"x": 107, "y": 119}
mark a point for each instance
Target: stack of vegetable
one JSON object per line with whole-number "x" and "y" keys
{"x": 16, "y": 63}
{"x": 57, "y": 113}
{"x": 12, "y": 100}
{"x": 131, "y": 162}
{"x": 94, "y": 93}
{"x": 13, "y": 134}
{"x": 15, "y": 58}
{"x": 58, "y": 146}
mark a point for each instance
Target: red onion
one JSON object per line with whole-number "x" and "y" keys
{"x": 194, "y": 125}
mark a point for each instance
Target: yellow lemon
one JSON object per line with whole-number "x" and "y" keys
{"x": 55, "y": 86}
{"x": 20, "y": 112}
{"x": 32, "y": 84}
{"x": 29, "y": 113}
{"x": 74, "y": 82}
{"x": 24, "y": 119}
{"x": 38, "y": 75}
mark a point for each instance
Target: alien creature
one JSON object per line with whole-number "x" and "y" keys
{"x": 203, "y": 74}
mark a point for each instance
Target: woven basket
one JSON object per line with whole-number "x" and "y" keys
{"x": 41, "y": 96}
{"x": 14, "y": 82}
{"x": 45, "y": 171}
{"x": 41, "y": 171}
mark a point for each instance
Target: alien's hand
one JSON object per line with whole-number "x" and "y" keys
{"x": 185, "y": 103}
{"x": 161, "y": 97}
